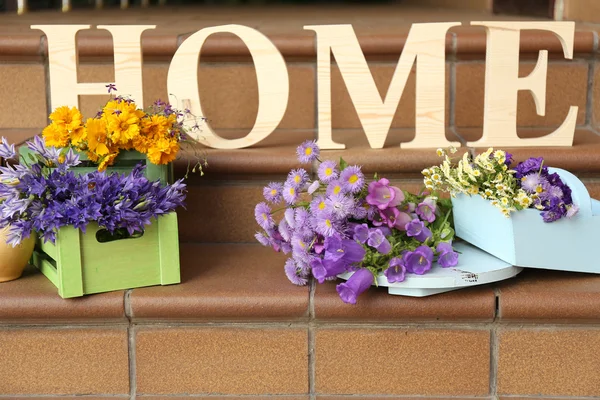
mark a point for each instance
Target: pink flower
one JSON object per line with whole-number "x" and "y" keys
{"x": 382, "y": 195}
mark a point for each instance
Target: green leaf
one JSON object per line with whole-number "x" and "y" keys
{"x": 343, "y": 164}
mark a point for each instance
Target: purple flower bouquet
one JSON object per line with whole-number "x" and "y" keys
{"x": 337, "y": 222}
{"x": 42, "y": 195}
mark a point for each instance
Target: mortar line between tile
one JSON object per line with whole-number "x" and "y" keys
{"x": 311, "y": 341}
{"x": 494, "y": 363}
{"x": 132, "y": 362}
{"x": 45, "y": 62}
{"x": 589, "y": 109}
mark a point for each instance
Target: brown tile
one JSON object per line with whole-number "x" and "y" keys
{"x": 593, "y": 187}
{"x": 471, "y": 43}
{"x": 34, "y": 299}
{"x": 344, "y": 113}
{"x": 226, "y": 212}
{"x": 353, "y": 397}
{"x": 482, "y": 5}
{"x": 556, "y": 362}
{"x": 377, "y": 305}
{"x": 23, "y": 101}
{"x": 77, "y": 397}
{"x": 105, "y": 72}
{"x": 222, "y": 360}
{"x": 551, "y": 296}
{"x": 21, "y": 46}
{"x": 269, "y": 397}
{"x": 567, "y": 86}
{"x": 349, "y": 361}
{"x": 154, "y": 82}
{"x": 229, "y": 95}
{"x": 389, "y": 160}
{"x": 225, "y": 282}
{"x": 65, "y": 361}
{"x": 582, "y": 10}
{"x": 579, "y": 158}
{"x": 275, "y": 155}
{"x": 18, "y": 136}
{"x": 596, "y": 96}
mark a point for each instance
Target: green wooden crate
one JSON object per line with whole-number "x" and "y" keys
{"x": 78, "y": 264}
{"x": 123, "y": 164}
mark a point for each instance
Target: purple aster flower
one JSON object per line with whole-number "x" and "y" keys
{"x": 300, "y": 248}
{"x": 418, "y": 230}
{"x": 426, "y": 209}
{"x": 293, "y": 272}
{"x": 447, "y": 257}
{"x": 284, "y": 230}
{"x": 262, "y": 239}
{"x": 418, "y": 261}
{"x": 290, "y": 217}
{"x": 7, "y": 151}
{"x": 326, "y": 224}
{"x": 339, "y": 204}
{"x": 297, "y": 178}
{"x": 308, "y": 151}
{"x": 361, "y": 233}
{"x": 382, "y": 195}
{"x": 378, "y": 241}
{"x": 273, "y": 192}
{"x": 314, "y": 187}
{"x": 359, "y": 211}
{"x": 352, "y": 179}
{"x": 290, "y": 193}
{"x": 360, "y": 281}
{"x": 554, "y": 192}
{"x": 328, "y": 171}
{"x": 533, "y": 183}
{"x": 555, "y": 213}
{"x": 335, "y": 187}
{"x": 262, "y": 214}
{"x": 396, "y": 272}
{"x": 317, "y": 204}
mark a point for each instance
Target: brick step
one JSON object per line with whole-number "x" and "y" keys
{"x": 235, "y": 326}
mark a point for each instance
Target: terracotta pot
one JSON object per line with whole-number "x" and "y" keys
{"x": 13, "y": 260}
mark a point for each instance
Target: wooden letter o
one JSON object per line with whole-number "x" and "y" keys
{"x": 271, "y": 74}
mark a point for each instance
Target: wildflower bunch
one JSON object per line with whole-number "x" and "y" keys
{"x": 489, "y": 175}
{"x": 338, "y": 222}
{"x": 119, "y": 125}
{"x": 43, "y": 195}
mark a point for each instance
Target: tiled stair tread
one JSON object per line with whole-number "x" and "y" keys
{"x": 551, "y": 295}
{"x": 246, "y": 282}
{"x": 477, "y": 303}
{"x": 34, "y": 299}
{"x": 381, "y": 29}
{"x": 224, "y": 282}
{"x": 276, "y": 154}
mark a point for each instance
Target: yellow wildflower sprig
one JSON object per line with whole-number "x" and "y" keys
{"x": 486, "y": 175}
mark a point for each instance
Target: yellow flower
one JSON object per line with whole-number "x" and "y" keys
{"x": 123, "y": 127}
{"x": 68, "y": 119}
{"x": 96, "y": 137}
{"x": 155, "y": 126}
{"x": 78, "y": 136}
{"x": 106, "y": 161}
{"x": 55, "y": 135}
{"x": 163, "y": 151}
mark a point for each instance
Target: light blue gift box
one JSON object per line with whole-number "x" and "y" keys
{"x": 525, "y": 240}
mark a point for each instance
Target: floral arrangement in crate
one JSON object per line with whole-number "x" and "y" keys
{"x": 42, "y": 195}
{"x": 120, "y": 125}
{"x": 489, "y": 175}
{"x": 339, "y": 223}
